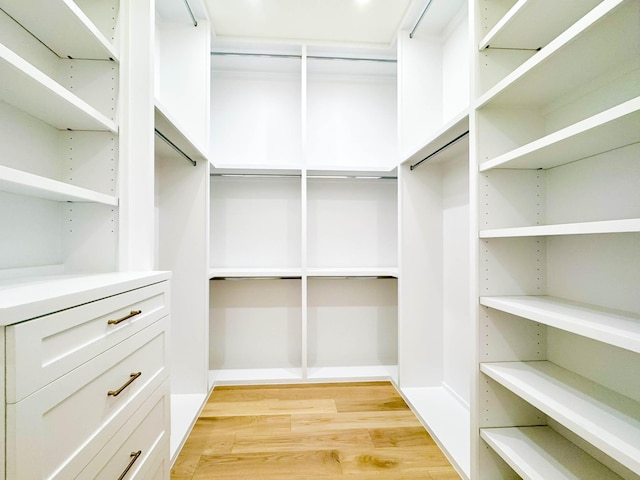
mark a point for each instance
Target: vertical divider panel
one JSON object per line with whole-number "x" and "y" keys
{"x": 304, "y": 314}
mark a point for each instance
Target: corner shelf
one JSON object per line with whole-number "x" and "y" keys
{"x": 519, "y": 28}
{"x": 621, "y": 329}
{"x": 631, "y": 225}
{"x": 81, "y": 38}
{"x": 529, "y": 83}
{"x": 30, "y": 90}
{"x": 613, "y": 128}
{"x": 539, "y": 453}
{"x": 23, "y": 183}
{"x": 604, "y": 418}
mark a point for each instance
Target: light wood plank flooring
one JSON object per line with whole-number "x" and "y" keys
{"x": 349, "y": 430}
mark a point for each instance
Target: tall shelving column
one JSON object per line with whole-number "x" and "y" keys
{"x": 556, "y": 123}
{"x": 181, "y": 124}
{"x": 436, "y": 208}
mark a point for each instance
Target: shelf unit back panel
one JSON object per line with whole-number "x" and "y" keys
{"x": 351, "y": 114}
{"x": 351, "y": 222}
{"x": 352, "y": 322}
{"x": 255, "y": 222}
{"x": 255, "y": 324}
{"x": 256, "y": 108}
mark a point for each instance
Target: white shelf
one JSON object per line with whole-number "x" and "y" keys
{"x": 448, "y": 132}
{"x": 529, "y": 83}
{"x": 354, "y": 374}
{"x": 81, "y": 38}
{"x": 532, "y": 24}
{"x": 615, "y": 127}
{"x": 448, "y": 421}
{"x": 23, "y": 183}
{"x": 30, "y": 90}
{"x": 602, "y": 417}
{"x": 583, "y": 228}
{"x": 185, "y": 409}
{"x": 353, "y": 272}
{"x": 539, "y": 453}
{"x": 621, "y": 329}
{"x": 255, "y": 273}
{"x": 170, "y": 128}
{"x": 30, "y": 297}
{"x": 254, "y": 376}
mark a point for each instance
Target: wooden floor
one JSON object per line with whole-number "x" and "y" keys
{"x": 352, "y": 430}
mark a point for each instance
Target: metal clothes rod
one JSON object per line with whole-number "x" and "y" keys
{"x": 420, "y": 19}
{"x": 441, "y": 149}
{"x": 193, "y": 18}
{"x": 313, "y": 57}
{"x": 175, "y": 147}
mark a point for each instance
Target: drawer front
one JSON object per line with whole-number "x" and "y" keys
{"x": 140, "y": 449}
{"x": 43, "y": 349}
{"x": 61, "y": 427}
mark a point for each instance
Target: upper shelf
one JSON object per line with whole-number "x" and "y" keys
{"x": 620, "y": 329}
{"x": 576, "y": 57}
{"x": 170, "y": 128}
{"x": 62, "y": 26}
{"x": 532, "y": 24}
{"x": 23, "y": 183}
{"x": 613, "y": 128}
{"x": 255, "y": 273}
{"x": 353, "y": 272}
{"x": 630, "y": 225}
{"x": 602, "y": 417}
{"x": 539, "y": 453}
{"x": 30, "y": 90}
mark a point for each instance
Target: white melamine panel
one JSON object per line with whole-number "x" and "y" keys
{"x": 352, "y": 322}
{"x": 352, "y": 223}
{"x": 606, "y": 419}
{"x": 82, "y": 39}
{"x": 611, "y": 226}
{"x": 456, "y": 65}
{"x": 255, "y": 222}
{"x": 529, "y": 24}
{"x": 351, "y": 114}
{"x": 82, "y": 395}
{"x": 539, "y": 453}
{"x": 255, "y": 324}
{"x": 62, "y": 341}
{"x": 147, "y": 433}
{"x": 256, "y": 109}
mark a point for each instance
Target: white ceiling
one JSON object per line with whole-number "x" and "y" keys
{"x": 362, "y": 22}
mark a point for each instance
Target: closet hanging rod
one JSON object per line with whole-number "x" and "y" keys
{"x": 415, "y": 27}
{"x": 313, "y": 57}
{"x": 440, "y": 150}
{"x": 175, "y": 147}
{"x": 193, "y": 18}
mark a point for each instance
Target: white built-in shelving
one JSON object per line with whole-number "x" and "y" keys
{"x": 435, "y": 224}
{"x": 556, "y": 135}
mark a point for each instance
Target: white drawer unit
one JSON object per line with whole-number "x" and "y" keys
{"x": 89, "y": 381}
{"x": 65, "y": 340}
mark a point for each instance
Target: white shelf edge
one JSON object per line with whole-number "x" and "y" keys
{"x": 352, "y": 272}
{"x": 620, "y": 329}
{"x": 23, "y": 183}
{"x": 450, "y": 130}
{"x": 353, "y": 374}
{"x": 630, "y": 225}
{"x": 504, "y": 21}
{"x": 82, "y": 39}
{"x": 539, "y": 453}
{"x": 170, "y": 128}
{"x": 254, "y": 376}
{"x": 549, "y": 50}
{"x": 602, "y": 417}
{"x": 185, "y": 409}
{"x": 599, "y": 126}
{"x": 447, "y": 420}
{"x": 254, "y": 272}
{"x": 35, "y": 85}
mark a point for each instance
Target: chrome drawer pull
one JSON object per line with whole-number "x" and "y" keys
{"x": 132, "y": 377}
{"x": 134, "y": 457}
{"x": 133, "y": 313}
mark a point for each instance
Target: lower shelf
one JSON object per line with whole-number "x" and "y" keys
{"x": 353, "y": 374}
{"x": 539, "y": 453}
{"x": 184, "y": 413}
{"x": 448, "y": 421}
{"x": 254, "y": 375}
